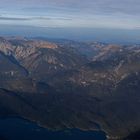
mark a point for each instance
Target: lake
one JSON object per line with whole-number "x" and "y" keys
{"x": 21, "y": 129}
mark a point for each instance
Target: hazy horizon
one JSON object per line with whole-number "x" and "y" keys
{"x": 99, "y": 20}
{"x": 106, "y": 35}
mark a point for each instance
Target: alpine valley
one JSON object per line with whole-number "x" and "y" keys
{"x": 61, "y": 84}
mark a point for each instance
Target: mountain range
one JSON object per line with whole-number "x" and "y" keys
{"x": 69, "y": 84}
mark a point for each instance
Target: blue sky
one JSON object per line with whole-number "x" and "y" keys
{"x": 71, "y": 14}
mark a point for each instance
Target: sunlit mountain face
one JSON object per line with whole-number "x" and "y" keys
{"x": 70, "y": 70}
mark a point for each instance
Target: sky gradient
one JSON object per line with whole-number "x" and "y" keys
{"x": 91, "y": 14}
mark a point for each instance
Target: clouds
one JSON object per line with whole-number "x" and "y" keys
{"x": 93, "y": 13}
{"x": 14, "y": 18}
{"x": 93, "y": 6}
{"x": 6, "y": 18}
